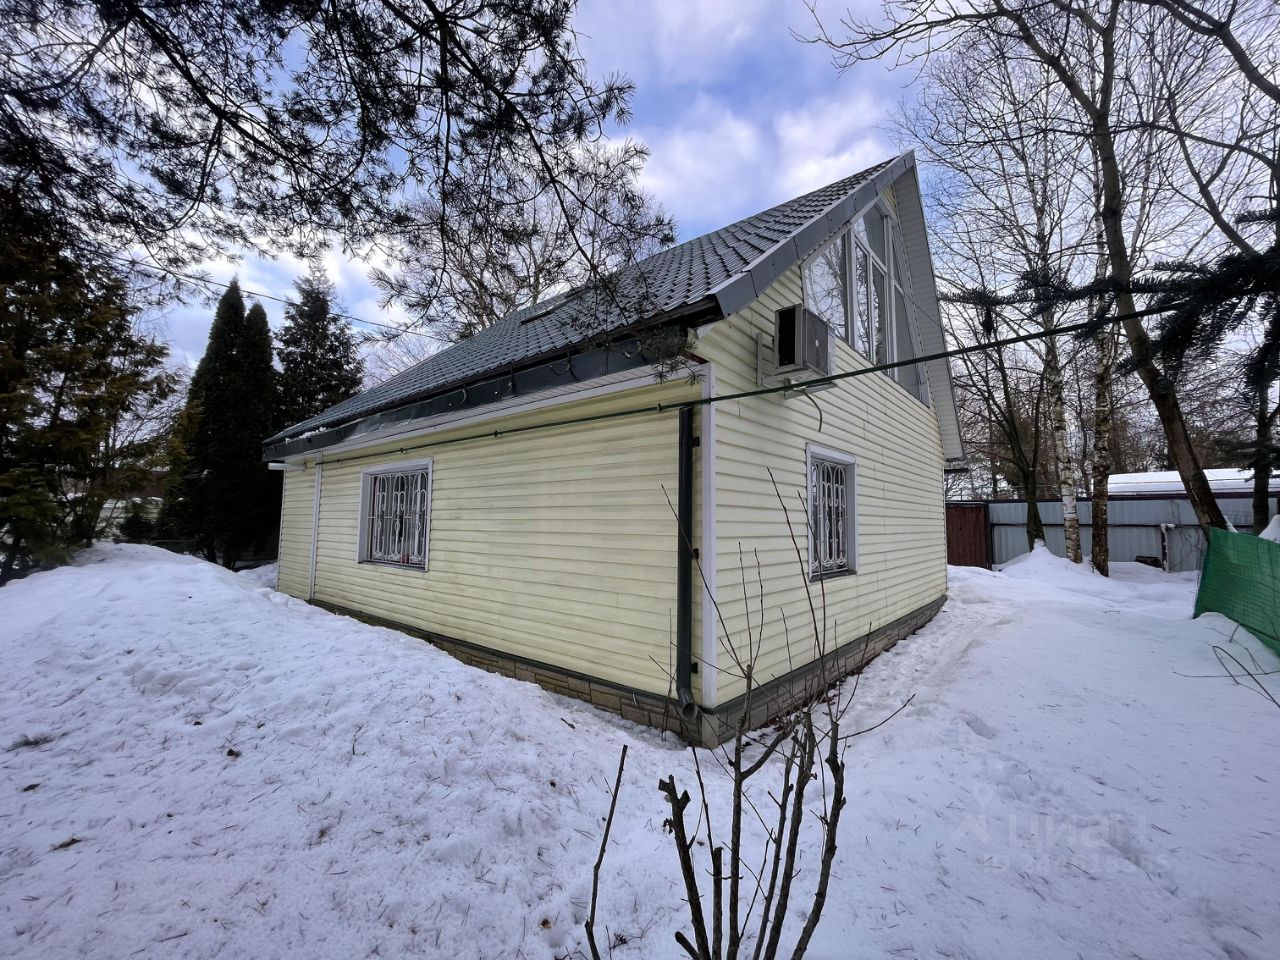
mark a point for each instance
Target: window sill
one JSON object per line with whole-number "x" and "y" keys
{"x": 831, "y": 575}
{"x": 419, "y": 567}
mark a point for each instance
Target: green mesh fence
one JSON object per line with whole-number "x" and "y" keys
{"x": 1241, "y": 579}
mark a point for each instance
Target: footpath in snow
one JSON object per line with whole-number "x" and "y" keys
{"x": 197, "y": 766}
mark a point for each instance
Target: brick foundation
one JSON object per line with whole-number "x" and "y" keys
{"x": 709, "y": 727}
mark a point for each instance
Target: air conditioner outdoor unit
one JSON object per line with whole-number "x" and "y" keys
{"x": 800, "y": 349}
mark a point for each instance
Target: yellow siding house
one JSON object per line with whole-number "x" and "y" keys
{"x": 538, "y": 501}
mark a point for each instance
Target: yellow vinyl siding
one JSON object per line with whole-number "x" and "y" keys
{"x": 557, "y": 545}
{"x": 900, "y": 543}
{"x": 295, "y": 532}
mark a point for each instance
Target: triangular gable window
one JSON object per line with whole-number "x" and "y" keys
{"x": 857, "y": 284}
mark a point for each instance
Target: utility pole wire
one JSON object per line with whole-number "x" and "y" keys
{"x": 799, "y": 387}
{"x": 803, "y": 385}
{"x": 192, "y": 278}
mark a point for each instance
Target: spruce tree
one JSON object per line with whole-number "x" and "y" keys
{"x": 319, "y": 365}
{"x": 73, "y": 369}
{"x": 224, "y": 500}
{"x": 1234, "y": 299}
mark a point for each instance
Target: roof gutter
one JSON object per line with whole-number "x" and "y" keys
{"x": 510, "y": 383}
{"x": 571, "y": 366}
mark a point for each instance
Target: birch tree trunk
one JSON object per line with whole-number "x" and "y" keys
{"x": 1061, "y": 453}
{"x": 1264, "y": 418}
{"x": 1097, "y": 108}
{"x": 1100, "y": 552}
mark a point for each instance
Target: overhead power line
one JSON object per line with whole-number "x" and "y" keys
{"x": 192, "y": 278}
{"x": 799, "y": 387}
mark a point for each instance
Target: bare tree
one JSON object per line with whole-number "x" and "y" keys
{"x": 1024, "y": 189}
{"x": 1241, "y": 29}
{"x": 1221, "y": 106}
{"x": 1009, "y": 394}
{"x": 457, "y": 277}
{"x": 1089, "y": 49}
{"x": 1014, "y": 211}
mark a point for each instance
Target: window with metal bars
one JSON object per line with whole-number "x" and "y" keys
{"x": 830, "y": 516}
{"x": 397, "y": 509}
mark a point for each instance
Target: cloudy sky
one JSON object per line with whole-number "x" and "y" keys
{"x": 737, "y": 114}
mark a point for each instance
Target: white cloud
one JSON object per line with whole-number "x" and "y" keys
{"x": 825, "y": 140}
{"x": 673, "y": 40}
{"x": 261, "y": 278}
{"x": 715, "y": 164}
{"x": 706, "y": 165}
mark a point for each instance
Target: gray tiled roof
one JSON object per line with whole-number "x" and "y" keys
{"x": 673, "y": 278}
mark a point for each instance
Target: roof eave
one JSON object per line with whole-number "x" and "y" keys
{"x": 920, "y": 260}
{"x": 580, "y": 365}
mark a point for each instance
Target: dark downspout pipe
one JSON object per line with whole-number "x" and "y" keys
{"x": 684, "y": 569}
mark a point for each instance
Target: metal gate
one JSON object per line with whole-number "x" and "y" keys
{"x": 968, "y": 535}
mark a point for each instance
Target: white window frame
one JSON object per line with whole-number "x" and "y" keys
{"x": 886, "y": 307}
{"x": 853, "y": 306}
{"x": 850, "y": 311}
{"x": 366, "y": 488}
{"x": 897, "y": 278}
{"x": 813, "y": 451}
{"x": 855, "y": 247}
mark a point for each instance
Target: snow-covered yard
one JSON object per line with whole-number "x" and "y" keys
{"x": 197, "y": 766}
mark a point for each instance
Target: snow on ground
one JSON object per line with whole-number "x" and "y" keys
{"x": 263, "y": 576}
{"x": 1272, "y": 530}
{"x": 197, "y": 766}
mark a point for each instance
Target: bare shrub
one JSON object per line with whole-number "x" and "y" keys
{"x": 742, "y": 893}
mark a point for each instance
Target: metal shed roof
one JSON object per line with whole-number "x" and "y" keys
{"x": 1169, "y": 482}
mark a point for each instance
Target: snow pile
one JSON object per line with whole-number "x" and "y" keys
{"x": 1272, "y": 531}
{"x": 263, "y": 576}
{"x": 1135, "y": 586}
{"x": 1043, "y": 564}
{"x": 198, "y": 766}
